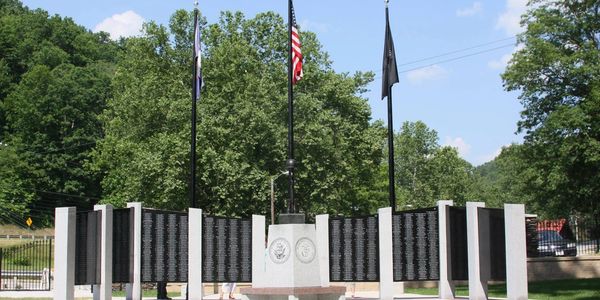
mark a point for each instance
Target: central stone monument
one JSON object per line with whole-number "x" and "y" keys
{"x": 291, "y": 268}
{"x": 292, "y": 256}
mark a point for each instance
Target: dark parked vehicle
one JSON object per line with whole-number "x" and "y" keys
{"x": 550, "y": 243}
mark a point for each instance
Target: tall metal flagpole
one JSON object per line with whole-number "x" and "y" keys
{"x": 195, "y": 94}
{"x": 291, "y": 207}
{"x": 389, "y": 63}
{"x": 392, "y": 183}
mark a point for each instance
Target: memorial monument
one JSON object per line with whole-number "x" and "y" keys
{"x": 291, "y": 267}
{"x": 296, "y": 261}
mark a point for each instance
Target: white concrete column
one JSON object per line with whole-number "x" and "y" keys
{"x": 386, "y": 267}
{"x": 258, "y": 250}
{"x": 516, "y": 252}
{"x": 64, "y": 253}
{"x": 134, "y": 289}
{"x": 104, "y": 290}
{"x": 194, "y": 288}
{"x": 477, "y": 282}
{"x": 322, "y": 225}
{"x": 446, "y": 286}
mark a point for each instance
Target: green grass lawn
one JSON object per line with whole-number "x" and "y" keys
{"x": 576, "y": 289}
{"x": 146, "y": 293}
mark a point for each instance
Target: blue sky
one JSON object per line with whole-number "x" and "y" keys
{"x": 459, "y": 95}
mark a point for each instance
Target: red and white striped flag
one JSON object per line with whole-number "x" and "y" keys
{"x": 296, "y": 51}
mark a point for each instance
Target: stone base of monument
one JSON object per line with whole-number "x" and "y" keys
{"x": 298, "y": 293}
{"x": 291, "y": 267}
{"x": 291, "y": 260}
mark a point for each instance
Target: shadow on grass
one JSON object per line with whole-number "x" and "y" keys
{"x": 577, "y": 289}
{"x": 574, "y": 289}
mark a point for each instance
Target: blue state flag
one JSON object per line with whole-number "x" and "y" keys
{"x": 197, "y": 58}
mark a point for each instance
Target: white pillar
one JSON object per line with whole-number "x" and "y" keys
{"x": 386, "y": 268}
{"x": 446, "y": 286}
{"x": 134, "y": 289}
{"x": 194, "y": 288}
{"x": 258, "y": 250}
{"x": 477, "y": 282}
{"x": 64, "y": 253}
{"x": 104, "y": 290}
{"x": 322, "y": 225}
{"x": 516, "y": 252}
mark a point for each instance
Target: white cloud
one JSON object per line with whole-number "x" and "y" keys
{"x": 314, "y": 26}
{"x": 428, "y": 73}
{"x": 510, "y": 19}
{"x": 489, "y": 157}
{"x": 474, "y": 9}
{"x": 502, "y": 62}
{"x": 126, "y": 24}
{"x": 461, "y": 146}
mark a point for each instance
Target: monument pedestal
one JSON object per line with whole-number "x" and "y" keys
{"x": 303, "y": 293}
{"x": 291, "y": 219}
{"x": 291, "y": 268}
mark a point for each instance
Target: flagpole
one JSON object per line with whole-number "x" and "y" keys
{"x": 391, "y": 163}
{"x": 392, "y": 183}
{"x": 291, "y": 206}
{"x": 195, "y": 95}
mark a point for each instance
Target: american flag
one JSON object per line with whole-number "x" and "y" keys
{"x": 296, "y": 51}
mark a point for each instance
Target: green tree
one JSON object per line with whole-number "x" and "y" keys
{"x": 242, "y": 116}
{"x": 502, "y": 180}
{"x": 414, "y": 145}
{"x": 557, "y": 72}
{"x": 15, "y": 189}
{"x": 427, "y": 172}
{"x": 54, "y": 80}
{"x": 450, "y": 176}
{"x": 53, "y": 123}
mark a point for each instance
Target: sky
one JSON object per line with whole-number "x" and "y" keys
{"x": 450, "y": 54}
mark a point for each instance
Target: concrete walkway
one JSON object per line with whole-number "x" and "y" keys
{"x": 82, "y": 294}
{"x": 85, "y": 294}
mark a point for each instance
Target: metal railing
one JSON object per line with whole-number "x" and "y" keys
{"x": 586, "y": 235}
{"x": 25, "y": 237}
{"x": 26, "y": 267}
{"x": 563, "y": 238}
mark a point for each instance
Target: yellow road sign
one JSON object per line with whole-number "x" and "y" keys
{"x": 29, "y": 221}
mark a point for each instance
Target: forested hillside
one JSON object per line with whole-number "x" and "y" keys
{"x": 55, "y": 79}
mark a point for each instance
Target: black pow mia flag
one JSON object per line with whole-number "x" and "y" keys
{"x": 390, "y": 71}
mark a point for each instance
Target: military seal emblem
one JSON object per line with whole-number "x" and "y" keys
{"x": 279, "y": 250}
{"x": 305, "y": 250}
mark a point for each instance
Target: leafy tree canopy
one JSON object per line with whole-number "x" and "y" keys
{"x": 54, "y": 81}
{"x": 427, "y": 172}
{"x": 242, "y": 116}
{"x": 557, "y": 72}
